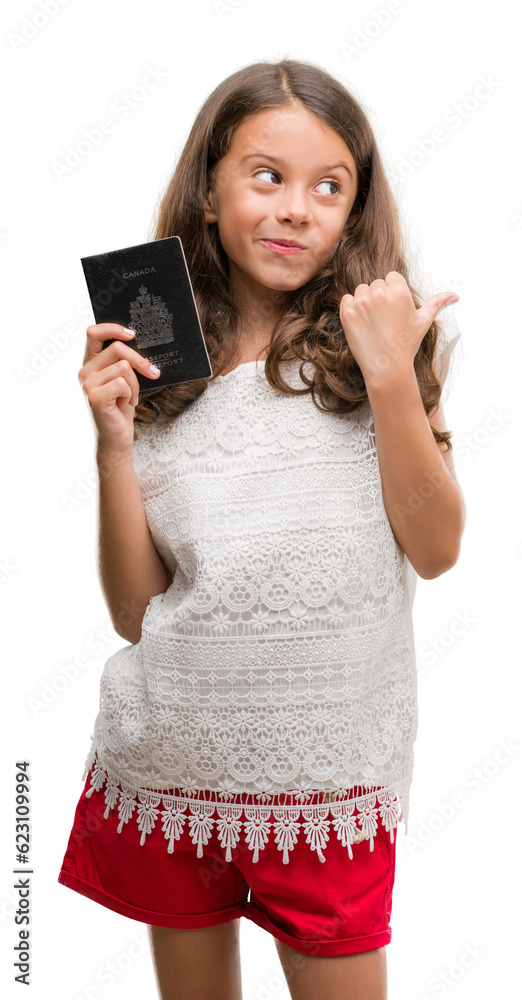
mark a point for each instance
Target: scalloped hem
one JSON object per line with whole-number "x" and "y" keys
{"x": 339, "y": 811}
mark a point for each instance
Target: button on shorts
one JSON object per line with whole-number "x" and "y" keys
{"x": 341, "y": 906}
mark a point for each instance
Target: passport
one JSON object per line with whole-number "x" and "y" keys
{"x": 147, "y": 288}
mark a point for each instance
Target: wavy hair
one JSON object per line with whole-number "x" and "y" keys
{"x": 308, "y": 325}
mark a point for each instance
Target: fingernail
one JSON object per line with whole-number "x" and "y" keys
{"x": 452, "y": 298}
{"x": 154, "y": 370}
{"x": 130, "y": 333}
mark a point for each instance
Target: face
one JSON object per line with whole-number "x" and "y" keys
{"x": 287, "y": 176}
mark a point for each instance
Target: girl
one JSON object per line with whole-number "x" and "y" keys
{"x": 261, "y": 533}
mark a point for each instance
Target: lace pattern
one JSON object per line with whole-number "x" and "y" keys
{"x": 282, "y": 655}
{"x": 318, "y": 820}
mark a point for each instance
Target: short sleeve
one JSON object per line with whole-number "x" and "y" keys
{"x": 443, "y": 356}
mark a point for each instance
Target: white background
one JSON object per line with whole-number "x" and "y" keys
{"x": 415, "y": 67}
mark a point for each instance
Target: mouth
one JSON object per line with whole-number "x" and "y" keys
{"x": 284, "y": 246}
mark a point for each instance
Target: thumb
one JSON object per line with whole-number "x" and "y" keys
{"x": 432, "y": 306}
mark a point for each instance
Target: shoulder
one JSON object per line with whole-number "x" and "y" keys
{"x": 148, "y": 443}
{"x": 147, "y": 432}
{"x": 445, "y": 350}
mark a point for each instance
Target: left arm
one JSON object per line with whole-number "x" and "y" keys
{"x": 421, "y": 494}
{"x": 423, "y": 500}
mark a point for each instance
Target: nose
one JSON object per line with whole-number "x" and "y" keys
{"x": 293, "y": 206}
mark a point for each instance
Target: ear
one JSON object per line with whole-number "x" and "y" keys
{"x": 210, "y": 212}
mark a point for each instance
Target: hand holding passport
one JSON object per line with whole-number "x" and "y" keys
{"x": 147, "y": 287}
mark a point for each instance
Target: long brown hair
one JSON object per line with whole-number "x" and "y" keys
{"x": 309, "y": 326}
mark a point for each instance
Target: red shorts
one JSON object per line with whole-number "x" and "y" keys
{"x": 341, "y": 906}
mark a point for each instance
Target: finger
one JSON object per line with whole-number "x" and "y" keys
{"x": 115, "y": 352}
{"x": 120, "y": 369}
{"x": 442, "y": 300}
{"x": 99, "y": 332}
{"x": 106, "y": 330}
{"x": 103, "y": 397}
{"x": 431, "y": 307}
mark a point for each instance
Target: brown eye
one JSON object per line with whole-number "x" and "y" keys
{"x": 337, "y": 185}
{"x": 265, "y": 170}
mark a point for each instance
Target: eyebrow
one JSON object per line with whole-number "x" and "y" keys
{"x": 276, "y": 159}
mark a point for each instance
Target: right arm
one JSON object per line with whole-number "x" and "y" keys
{"x": 130, "y": 568}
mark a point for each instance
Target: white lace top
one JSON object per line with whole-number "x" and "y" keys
{"x": 274, "y": 685}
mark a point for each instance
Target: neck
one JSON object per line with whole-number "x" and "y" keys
{"x": 259, "y": 309}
